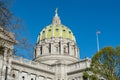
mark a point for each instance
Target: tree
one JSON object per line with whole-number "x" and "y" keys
{"x": 14, "y": 24}
{"x": 5, "y": 15}
{"x": 85, "y": 75}
{"x": 106, "y": 63}
{"x": 93, "y": 77}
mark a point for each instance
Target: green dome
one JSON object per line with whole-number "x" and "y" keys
{"x": 56, "y": 30}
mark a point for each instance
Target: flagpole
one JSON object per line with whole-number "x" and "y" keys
{"x": 97, "y": 38}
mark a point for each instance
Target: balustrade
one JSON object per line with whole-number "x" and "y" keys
{"x": 32, "y": 63}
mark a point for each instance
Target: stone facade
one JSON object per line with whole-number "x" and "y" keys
{"x": 55, "y": 58}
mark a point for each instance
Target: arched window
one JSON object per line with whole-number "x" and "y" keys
{"x": 57, "y": 49}
{"x": 64, "y": 50}
{"x": 13, "y": 75}
{"x": 68, "y": 47}
{"x": 47, "y": 49}
{"x": 31, "y": 78}
{"x": 41, "y": 50}
{"x": 1, "y": 50}
{"x": 23, "y": 78}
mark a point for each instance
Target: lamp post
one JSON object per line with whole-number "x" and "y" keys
{"x": 97, "y": 38}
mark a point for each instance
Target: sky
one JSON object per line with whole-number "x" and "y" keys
{"x": 83, "y": 17}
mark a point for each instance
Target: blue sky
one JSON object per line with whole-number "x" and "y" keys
{"x": 83, "y": 17}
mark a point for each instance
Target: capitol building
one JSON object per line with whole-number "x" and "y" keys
{"x": 56, "y": 56}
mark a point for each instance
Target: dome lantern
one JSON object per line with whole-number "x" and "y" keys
{"x": 56, "y": 19}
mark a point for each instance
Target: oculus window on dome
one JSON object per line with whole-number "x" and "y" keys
{"x": 64, "y": 30}
{"x": 49, "y": 30}
{"x": 57, "y": 29}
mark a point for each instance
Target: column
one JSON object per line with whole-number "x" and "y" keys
{"x": 76, "y": 51}
{"x": 61, "y": 48}
{"x": 45, "y": 78}
{"x": 5, "y": 54}
{"x": 19, "y": 75}
{"x": 9, "y": 61}
{"x": 28, "y": 76}
{"x": 37, "y": 51}
{"x": 5, "y": 68}
{"x": 70, "y": 49}
{"x": 37, "y": 77}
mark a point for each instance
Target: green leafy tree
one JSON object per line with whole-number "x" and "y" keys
{"x": 93, "y": 77}
{"x": 106, "y": 63}
{"x": 85, "y": 75}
